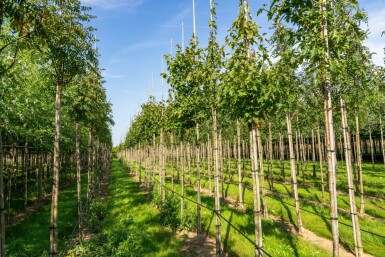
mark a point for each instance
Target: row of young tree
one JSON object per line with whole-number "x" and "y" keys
{"x": 317, "y": 58}
{"x": 54, "y": 114}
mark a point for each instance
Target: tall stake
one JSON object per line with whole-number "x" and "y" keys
{"x": 353, "y": 208}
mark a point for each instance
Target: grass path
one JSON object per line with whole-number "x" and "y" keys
{"x": 30, "y": 236}
{"x": 132, "y": 226}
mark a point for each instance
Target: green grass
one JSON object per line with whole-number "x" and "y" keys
{"x": 132, "y": 226}
{"x": 284, "y": 209}
{"x": 277, "y": 241}
{"x": 31, "y": 236}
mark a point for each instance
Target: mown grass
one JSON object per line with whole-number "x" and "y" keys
{"x": 277, "y": 241}
{"x": 315, "y": 217}
{"x": 132, "y": 226}
{"x": 31, "y": 236}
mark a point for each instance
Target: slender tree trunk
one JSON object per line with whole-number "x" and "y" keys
{"x": 209, "y": 155}
{"x": 216, "y": 179}
{"x": 55, "y": 179}
{"x": 89, "y": 170}
{"x": 330, "y": 135}
{"x": 282, "y": 156}
{"x": 359, "y": 165}
{"x": 261, "y": 173}
{"x": 271, "y": 159}
{"x": 78, "y": 176}
{"x": 26, "y": 168}
{"x": 2, "y": 216}
{"x": 382, "y": 142}
{"x": 371, "y": 148}
{"x": 163, "y": 167}
{"x": 182, "y": 150}
{"x": 353, "y": 209}
{"x": 293, "y": 174}
{"x": 199, "y": 225}
{"x": 321, "y": 164}
{"x": 240, "y": 189}
{"x": 313, "y": 152}
{"x": 256, "y": 195}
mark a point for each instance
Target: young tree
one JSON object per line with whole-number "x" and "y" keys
{"x": 247, "y": 93}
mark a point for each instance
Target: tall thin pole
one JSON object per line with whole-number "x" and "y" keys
{"x": 182, "y": 36}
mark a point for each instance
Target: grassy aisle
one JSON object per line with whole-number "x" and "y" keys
{"x": 31, "y": 236}
{"x": 129, "y": 224}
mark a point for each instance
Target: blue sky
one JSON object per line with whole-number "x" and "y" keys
{"x": 135, "y": 34}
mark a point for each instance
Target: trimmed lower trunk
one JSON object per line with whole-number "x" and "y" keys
{"x": 256, "y": 195}
{"x": 216, "y": 179}
{"x": 2, "y": 216}
{"x": 240, "y": 192}
{"x": 78, "y": 176}
{"x": 353, "y": 209}
{"x": 55, "y": 179}
{"x": 293, "y": 174}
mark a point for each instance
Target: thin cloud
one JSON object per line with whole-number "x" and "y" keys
{"x": 375, "y": 42}
{"x": 108, "y": 75}
{"x": 135, "y": 47}
{"x": 114, "y": 4}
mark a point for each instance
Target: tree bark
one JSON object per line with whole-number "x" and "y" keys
{"x": 293, "y": 174}
{"x": 55, "y": 179}
{"x": 89, "y": 170}
{"x": 330, "y": 135}
{"x": 321, "y": 163}
{"x": 2, "y": 216}
{"x": 256, "y": 195}
{"x": 382, "y": 142}
{"x": 197, "y": 149}
{"x": 261, "y": 172}
{"x": 78, "y": 177}
{"x": 353, "y": 209}
{"x": 240, "y": 189}
{"x": 359, "y": 165}
{"x": 216, "y": 179}
{"x": 271, "y": 172}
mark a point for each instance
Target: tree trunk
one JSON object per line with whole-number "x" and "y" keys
{"x": 89, "y": 170}
{"x": 2, "y": 216}
{"x": 216, "y": 179}
{"x": 371, "y": 148}
{"x": 240, "y": 189}
{"x": 353, "y": 208}
{"x": 293, "y": 174}
{"x": 359, "y": 165}
{"x": 78, "y": 176}
{"x": 256, "y": 194}
{"x": 163, "y": 167}
{"x": 382, "y": 142}
{"x": 330, "y": 135}
{"x": 271, "y": 172}
{"x": 26, "y": 169}
{"x": 199, "y": 225}
{"x": 261, "y": 172}
{"x": 282, "y": 156}
{"x": 55, "y": 179}
{"x": 321, "y": 164}
{"x": 182, "y": 180}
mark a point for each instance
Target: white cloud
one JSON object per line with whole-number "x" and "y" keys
{"x": 114, "y": 4}
{"x": 375, "y": 42}
{"x": 135, "y": 47}
{"x": 108, "y": 75}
